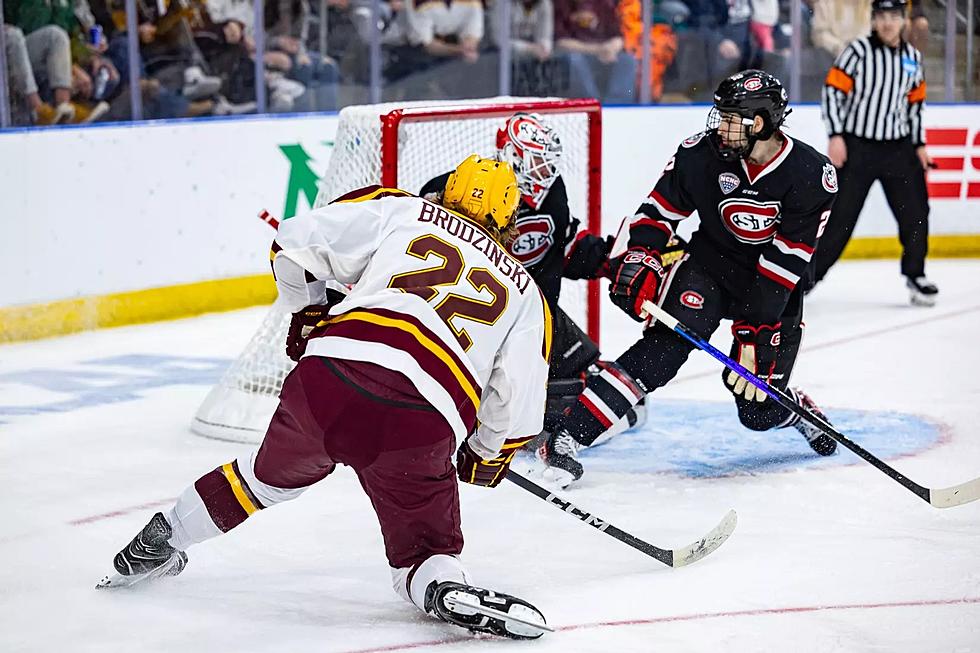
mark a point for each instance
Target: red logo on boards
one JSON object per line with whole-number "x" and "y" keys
{"x": 750, "y": 221}
{"x": 692, "y": 299}
{"x": 957, "y": 173}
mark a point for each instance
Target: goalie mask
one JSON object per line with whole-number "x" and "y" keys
{"x": 533, "y": 149}
{"x": 738, "y": 100}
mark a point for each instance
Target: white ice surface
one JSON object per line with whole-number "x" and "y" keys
{"x": 827, "y": 556}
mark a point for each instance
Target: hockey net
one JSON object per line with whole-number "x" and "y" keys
{"x": 404, "y": 145}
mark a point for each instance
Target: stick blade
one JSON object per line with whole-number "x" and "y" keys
{"x": 708, "y": 544}
{"x": 956, "y": 495}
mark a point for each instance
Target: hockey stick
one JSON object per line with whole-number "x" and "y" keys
{"x": 942, "y": 498}
{"x": 670, "y": 557}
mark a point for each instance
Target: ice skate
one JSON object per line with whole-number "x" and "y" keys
{"x": 819, "y": 441}
{"x": 559, "y": 453}
{"x": 484, "y": 611}
{"x": 147, "y": 557}
{"x": 922, "y": 292}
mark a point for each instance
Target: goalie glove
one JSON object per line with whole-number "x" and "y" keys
{"x": 756, "y": 348}
{"x": 305, "y": 321}
{"x": 475, "y": 470}
{"x": 636, "y": 276}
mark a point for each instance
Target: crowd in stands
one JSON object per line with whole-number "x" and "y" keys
{"x": 68, "y": 60}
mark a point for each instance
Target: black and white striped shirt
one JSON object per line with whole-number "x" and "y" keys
{"x": 876, "y": 92}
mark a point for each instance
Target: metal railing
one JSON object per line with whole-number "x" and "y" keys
{"x": 500, "y": 22}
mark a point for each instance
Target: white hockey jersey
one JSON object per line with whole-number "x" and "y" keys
{"x": 434, "y": 297}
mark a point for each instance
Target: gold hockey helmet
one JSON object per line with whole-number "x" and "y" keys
{"x": 485, "y": 191}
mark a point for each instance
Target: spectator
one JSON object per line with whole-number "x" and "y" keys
{"x": 23, "y": 85}
{"x": 443, "y": 29}
{"x": 531, "y": 42}
{"x": 838, "y": 22}
{"x": 765, "y": 15}
{"x": 232, "y": 47}
{"x": 588, "y": 33}
{"x": 716, "y": 44}
{"x": 287, "y": 26}
{"x": 917, "y": 27}
{"x": 49, "y": 51}
{"x": 663, "y": 43}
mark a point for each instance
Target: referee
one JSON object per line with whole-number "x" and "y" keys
{"x": 872, "y": 106}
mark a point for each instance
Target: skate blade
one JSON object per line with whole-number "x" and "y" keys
{"x": 459, "y": 603}
{"x": 171, "y": 567}
{"x": 922, "y": 300}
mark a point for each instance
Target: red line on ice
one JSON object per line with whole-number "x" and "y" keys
{"x": 119, "y": 513}
{"x": 693, "y": 617}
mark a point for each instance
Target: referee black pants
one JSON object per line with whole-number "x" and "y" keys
{"x": 896, "y": 166}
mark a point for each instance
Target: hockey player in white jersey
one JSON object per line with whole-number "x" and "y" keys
{"x": 443, "y": 336}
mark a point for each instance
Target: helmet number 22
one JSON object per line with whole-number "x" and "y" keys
{"x": 452, "y": 307}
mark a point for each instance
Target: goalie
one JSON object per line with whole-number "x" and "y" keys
{"x": 442, "y": 336}
{"x": 550, "y": 246}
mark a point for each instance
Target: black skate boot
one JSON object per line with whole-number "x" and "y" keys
{"x": 819, "y": 441}
{"x": 147, "y": 556}
{"x": 922, "y": 292}
{"x": 484, "y": 611}
{"x": 559, "y": 452}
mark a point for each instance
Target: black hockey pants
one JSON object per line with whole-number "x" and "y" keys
{"x": 692, "y": 296}
{"x": 896, "y": 166}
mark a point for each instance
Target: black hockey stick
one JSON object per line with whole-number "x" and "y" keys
{"x": 942, "y": 498}
{"x": 670, "y": 557}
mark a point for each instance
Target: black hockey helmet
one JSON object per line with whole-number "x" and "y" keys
{"x": 888, "y": 5}
{"x": 748, "y": 94}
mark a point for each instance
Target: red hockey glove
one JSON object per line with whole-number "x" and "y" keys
{"x": 755, "y": 348}
{"x": 473, "y": 469}
{"x": 636, "y": 276}
{"x": 305, "y": 321}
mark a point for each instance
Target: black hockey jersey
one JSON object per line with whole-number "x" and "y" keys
{"x": 759, "y": 224}
{"x": 548, "y": 244}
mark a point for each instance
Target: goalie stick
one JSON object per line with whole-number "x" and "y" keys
{"x": 938, "y": 498}
{"x": 671, "y": 557}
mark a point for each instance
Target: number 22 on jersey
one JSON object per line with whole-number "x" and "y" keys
{"x": 452, "y": 308}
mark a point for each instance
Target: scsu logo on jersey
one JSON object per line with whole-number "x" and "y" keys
{"x": 750, "y": 221}
{"x": 691, "y": 141}
{"x": 692, "y": 299}
{"x": 535, "y": 236}
{"x": 829, "y": 178}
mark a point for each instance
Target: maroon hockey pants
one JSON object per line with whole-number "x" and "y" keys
{"x": 374, "y": 420}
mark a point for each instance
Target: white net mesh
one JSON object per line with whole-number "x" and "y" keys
{"x": 240, "y": 406}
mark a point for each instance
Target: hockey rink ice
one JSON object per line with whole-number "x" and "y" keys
{"x": 828, "y": 555}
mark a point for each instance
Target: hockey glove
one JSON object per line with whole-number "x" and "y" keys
{"x": 305, "y": 321}
{"x": 635, "y": 279}
{"x": 757, "y": 347}
{"x": 473, "y": 469}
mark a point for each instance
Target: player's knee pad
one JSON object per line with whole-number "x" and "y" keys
{"x": 607, "y": 398}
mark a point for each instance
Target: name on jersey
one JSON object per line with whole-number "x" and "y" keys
{"x": 476, "y": 237}
{"x": 750, "y": 221}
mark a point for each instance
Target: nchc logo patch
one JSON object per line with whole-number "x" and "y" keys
{"x": 728, "y": 181}
{"x": 750, "y": 221}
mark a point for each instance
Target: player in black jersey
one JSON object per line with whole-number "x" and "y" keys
{"x": 551, "y": 247}
{"x": 763, "y": 199}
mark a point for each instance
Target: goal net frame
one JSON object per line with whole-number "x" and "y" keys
{"x": 239, "y": 407}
